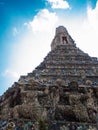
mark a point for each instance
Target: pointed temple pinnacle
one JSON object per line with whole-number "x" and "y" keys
{"x": 62, "y": 37}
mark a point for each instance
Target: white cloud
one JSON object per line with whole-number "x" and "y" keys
{"x": 85, "y": 31}
{"x": 90, "y": 31}
{"x": 33, "y": 46}
{"x": 93, "y": 16}
{"x": 59, "y": 4}
{"x": 43, "y": 21}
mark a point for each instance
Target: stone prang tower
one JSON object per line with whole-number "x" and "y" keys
{"x": 63, "y": 88}
{"x": 61, "y": 38}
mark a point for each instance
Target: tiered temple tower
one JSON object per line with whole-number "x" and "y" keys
{"x": 67, "y": 62}
{"x": 64, "y": 87}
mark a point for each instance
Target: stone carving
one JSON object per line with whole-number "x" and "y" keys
{"x": 64, "y": 87}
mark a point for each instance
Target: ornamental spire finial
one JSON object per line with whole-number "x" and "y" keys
{"x": 61, "y": 37}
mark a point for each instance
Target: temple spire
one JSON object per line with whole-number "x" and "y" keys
{"x": 62, "y": 37}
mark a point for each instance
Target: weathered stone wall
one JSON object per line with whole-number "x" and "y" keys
{"x": 63, "y": 87}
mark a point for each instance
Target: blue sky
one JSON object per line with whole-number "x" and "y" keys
{"x": 28, "y": 27}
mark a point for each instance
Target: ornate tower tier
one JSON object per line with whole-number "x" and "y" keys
{"x": 62, "y": 37}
